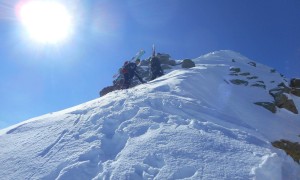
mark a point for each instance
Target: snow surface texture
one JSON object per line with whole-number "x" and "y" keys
{"x": 187, "y": 124}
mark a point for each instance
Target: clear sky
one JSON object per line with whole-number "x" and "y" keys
{"x": 38, "y": 78}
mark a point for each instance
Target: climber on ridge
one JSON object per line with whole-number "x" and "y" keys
{"x": 129, "y": 71}
{"x": 155, "y": 66}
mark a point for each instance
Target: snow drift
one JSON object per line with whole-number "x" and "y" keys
{"x": 188, "y": 124}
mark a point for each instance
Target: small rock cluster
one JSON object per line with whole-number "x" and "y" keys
{"x": 251, "y": 79}
{"x": 280, "y": 94}
{"x": 187, "y": 63}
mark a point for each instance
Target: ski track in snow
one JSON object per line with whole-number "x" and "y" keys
{"x": 187, "y": 124}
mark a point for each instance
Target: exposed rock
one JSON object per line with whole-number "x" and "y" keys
{"x": 165, "y": 66}
{"x": 275, "y": 91}
{"x": 172, "y": 62}
{"x": 272, "y": 81}
{"x": 280, "y": 99}
{"x": 245, "y": 74}
{"x": 291, "y": 148}
{"x": 259, "y": 85}
{"x": 163, "y": 58}
{"x": 284, "y": 88}
{"x": 295, "y": 83}
{"x": 268, "y": 105}
{"x": 235, "y": 69}
{"x": 295, "y": 92}
{"x": 262, "y": 82}
{"x": 252, "y": 77}
{"x": 290, "y": 105}
{"x": 273, "y": 70}
{"x": 239, "y": 82}
{"x": 281, "y": 88}
{"x": 233, "y": 74}
{"x": 252, "y": 64}
{"x": 106, "y": 90}
{"x": 233, "y": 60}
{"x": 187, "y": 63}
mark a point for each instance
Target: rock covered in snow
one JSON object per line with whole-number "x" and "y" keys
{"x": 187, "y": 63}
{"x": 295, "y": 83}
{"x": 295, "y": 86}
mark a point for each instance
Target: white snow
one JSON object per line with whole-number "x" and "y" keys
{"x": 188, "y": 124}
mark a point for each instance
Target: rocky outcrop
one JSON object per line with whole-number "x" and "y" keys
{"x": 268, "y": 105}
{"x": 281, "y": 100}
{"x": 245, "y": 74}
{"x": 291, "y": 148}
{"x": 163, "y": 58}
{"x": 295, "y": 86}
{"x": 261, "y": 85}
{"x": 252, "y": 64}
{"x": 290, "y": 105}
{"x": 296, "y": 92}
{"x": 187, "y": 63}
{"x": 295, "y": 83}
{"x": 107, "y": 90}
{"x": 239, "y": 82}
{"x": 172, "y": 62}
{"x": 165, "y": 66}
{"x": 280, "y": 93}
{"x": 235, "y": 69}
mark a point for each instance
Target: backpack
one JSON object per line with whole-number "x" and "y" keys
{"x": 129, "y": 67}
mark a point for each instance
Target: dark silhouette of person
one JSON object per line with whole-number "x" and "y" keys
{"x": 155, "y": 66}
{"x": 129, "y": 71}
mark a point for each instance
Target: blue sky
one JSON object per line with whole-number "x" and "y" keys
{"x": 42, "y": 78}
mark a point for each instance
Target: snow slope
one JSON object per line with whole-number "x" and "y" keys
{"x": 187, "y": 124}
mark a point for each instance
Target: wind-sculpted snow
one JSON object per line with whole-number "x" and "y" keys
{"x": 187, "y": 124}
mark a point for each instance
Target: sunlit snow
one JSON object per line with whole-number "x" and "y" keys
{"x": 187, "y": 124}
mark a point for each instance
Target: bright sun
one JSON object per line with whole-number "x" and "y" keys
{"x": 45, "y": 21}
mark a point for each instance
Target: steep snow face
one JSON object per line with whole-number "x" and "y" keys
{"x": 187, "y": 124}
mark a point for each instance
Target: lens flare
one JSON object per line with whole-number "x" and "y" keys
{"x": 45, "y": 21}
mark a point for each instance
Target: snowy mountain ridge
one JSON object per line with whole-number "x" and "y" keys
{"x": 193, "y": 123}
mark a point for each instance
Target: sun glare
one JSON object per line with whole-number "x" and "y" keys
{"x": 45, "y": 21}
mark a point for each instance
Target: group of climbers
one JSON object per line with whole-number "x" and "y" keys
{"x": 129, "y": 71}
